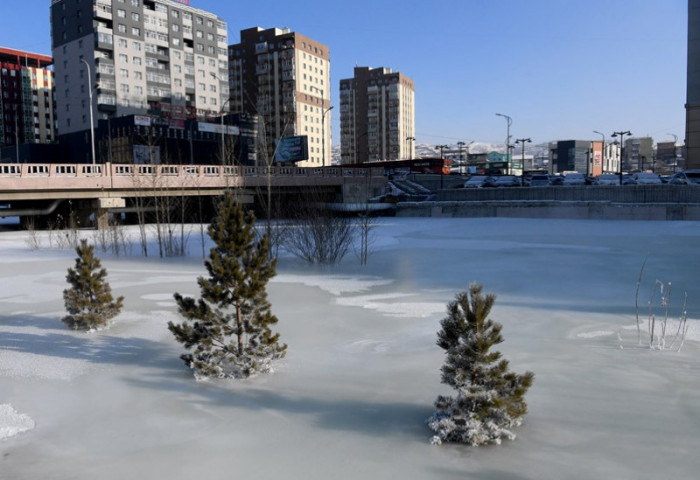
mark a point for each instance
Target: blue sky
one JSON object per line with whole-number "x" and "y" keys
{"x": 559, "y": 68}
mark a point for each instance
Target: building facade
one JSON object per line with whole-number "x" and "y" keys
{"x": 284, "y": 78}
{"x": 377, "y": 116}
{"x": 638, "y": 154}
{"x": 124, "y": 57}
{"x": 27, "y": 111}
{"x": 692, "y": 103}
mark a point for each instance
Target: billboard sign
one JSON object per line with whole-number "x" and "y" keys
{"x": 216, "y": 128}
{"x": 292, "y": 149}
{"x": 142, "y": 120}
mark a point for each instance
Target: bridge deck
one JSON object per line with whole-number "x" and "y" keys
{"x": 32, "y": 181}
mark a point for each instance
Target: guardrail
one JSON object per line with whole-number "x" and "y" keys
{"x": 590, "y": 193}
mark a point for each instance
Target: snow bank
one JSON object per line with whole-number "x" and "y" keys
{"x": 13, "y": 423}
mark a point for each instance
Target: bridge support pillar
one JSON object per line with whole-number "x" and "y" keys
{"x": 101, "y": 210}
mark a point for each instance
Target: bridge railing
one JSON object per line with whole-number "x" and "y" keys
{"x": 63, "y": 176}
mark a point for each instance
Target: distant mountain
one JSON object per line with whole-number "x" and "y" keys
{"x": 426, "y": 150}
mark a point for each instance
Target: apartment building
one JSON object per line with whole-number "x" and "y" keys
{"x": 284, "y": 78}
{"x": 123, "y": 57}
{"x": 377, "y": 116}
{"x": 26, "y": 98}
{"x": 692, "y": 102}
{"x": 638, "y": 154}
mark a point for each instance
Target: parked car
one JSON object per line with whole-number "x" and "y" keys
{"x": 646, "y": 178}
{"x": 539, "y": 180}
{"x": 507, "y": 181}
{"x": 608, "y": 179}
{"x": 628, "y": 179}
{"x": 556, "y": 180}
{"x": 686, "y": 177}
{"x": 477, "y": 181}
{"x": 574, "y": 179}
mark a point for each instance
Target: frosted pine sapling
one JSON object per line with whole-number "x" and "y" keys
{"x": 89, "y": 301}
{"x": 490, "y": 399}
{"x": 228, "y": 328}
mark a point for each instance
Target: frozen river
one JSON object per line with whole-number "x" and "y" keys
{"x": 350, "y": 399}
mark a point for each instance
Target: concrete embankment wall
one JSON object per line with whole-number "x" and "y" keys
{"x": 632, "y": 202}
{"x": 551, "y": 209}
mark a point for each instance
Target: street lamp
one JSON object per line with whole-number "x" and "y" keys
{"x": 92, "y": 120}
{"x": 411, "y": 141}
{"x": 223, "y": 107}
{"x": 621, "y": 134}
{"x": 522, "y": 142}
{"x": 323, "y": 134}
{"x": 442, "y": 163}
{"x": 509, "y": 122}
{"x": 675, "y": 159}
{"x": 602, "y": 135}
{"x": 223, "y": 139}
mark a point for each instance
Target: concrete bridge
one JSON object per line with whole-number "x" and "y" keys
{"x": 38, "y": 189}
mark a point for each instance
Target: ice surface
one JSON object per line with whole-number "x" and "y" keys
{"x": 13, "y": 423}
{"x": 362, "y": 371}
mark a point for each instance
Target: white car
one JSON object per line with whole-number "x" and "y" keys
{"x": 608, "y": 179}
{"x": 477, "y": 181}
{"x": 572, "y": 179}
{"x": 646, "y": 178}
{"x": 686, "y": 177}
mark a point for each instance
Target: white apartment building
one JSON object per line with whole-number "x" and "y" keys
{"x": 284, "y": 78}
{"x": 136, "y": 56}
{"x": 377, "y": 116}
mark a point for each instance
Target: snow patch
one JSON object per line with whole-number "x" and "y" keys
{"x": 13, "y": 423}
{"x": 595, "y": 334}
{"x": 334, "y": 284}
{"x": 401, "y": 309}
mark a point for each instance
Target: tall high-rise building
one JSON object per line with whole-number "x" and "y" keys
{"x": 692, "y": 104}
{"x": 377, "y": 116}
{"x": 26, "y": 98}
{"x": 135, "y": 57}
{"x": 284, "y": 78}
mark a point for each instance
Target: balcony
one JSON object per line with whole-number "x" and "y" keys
{"x": 102, "y": 9}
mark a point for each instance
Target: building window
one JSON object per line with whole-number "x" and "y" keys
{"x": 123, "y": 43}
{"x": 135, "y": 31}
{"x": 135, "y": 17}
{"x": 137, "y": 46}
{"x": 121, "y": 13}
{"x": 134, "y": 3}
{"x": 124, "y": 73}
{"x": 121, "y": 28}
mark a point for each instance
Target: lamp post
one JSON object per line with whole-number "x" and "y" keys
{"x": 621, "y": 134}
{"x": 675, "y": 159}
{"x": 92, "y": 119}
{"x": 411, "y": 141}
{"x": 323, "y": 134}
{"x": 223, "y": 139}
{"x": 522, "y": 142}
{"x": 602, "y": 135}
{"x": 509, "y": 122}
{"x": 442, "y": 163}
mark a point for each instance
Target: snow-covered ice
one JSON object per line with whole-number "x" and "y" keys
{"x": 351, "y": 398}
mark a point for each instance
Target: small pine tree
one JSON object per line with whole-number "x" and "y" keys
{"x": 228, "y": 328}
{"x": 89, "y": 301}
{"x": 489, "y": 399}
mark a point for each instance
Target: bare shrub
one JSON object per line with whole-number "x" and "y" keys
{"x": 317, "y": 234}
